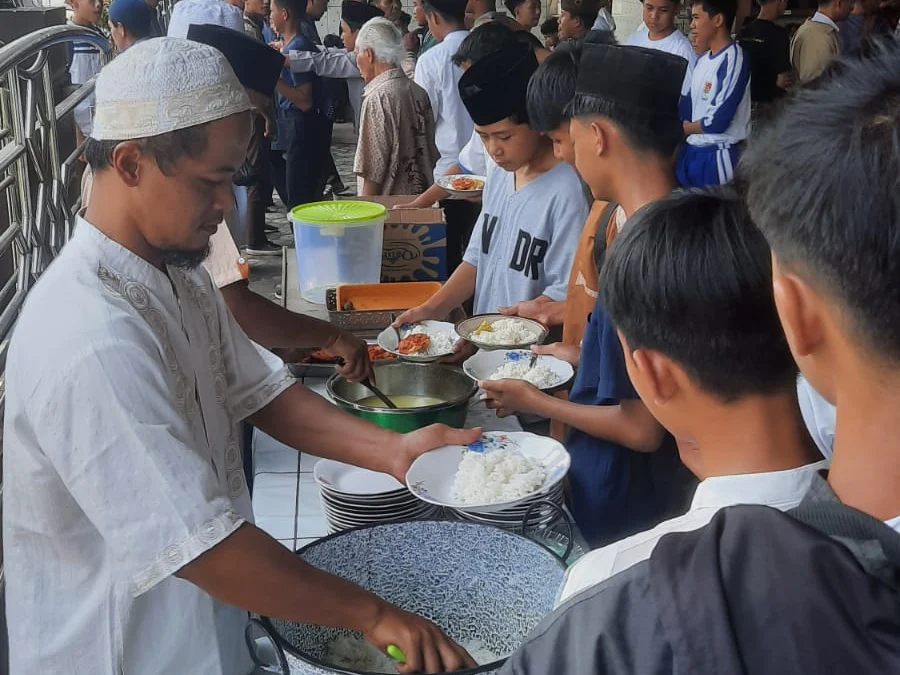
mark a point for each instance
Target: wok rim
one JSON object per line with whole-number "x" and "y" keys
{"x": 285, "y": 645}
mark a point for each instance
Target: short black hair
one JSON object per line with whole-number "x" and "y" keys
{"x": 550, "y": 26}
{"x": 727, "y": 8}
{"x": 763, "y": 3}
{"x": 486, "y": 39}
{"x": 644, "y": 133}
{"x": 296, "y": 9}
{"x": 552, "y": 88}
{"x": 821, "y": 183}
{"x": 690, "y": 277}
{"x": 428, "y": 8}
{"x": 512, "y": 4}
{"x": 166, "y": 149}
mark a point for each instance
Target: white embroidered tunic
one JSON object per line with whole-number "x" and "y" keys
{"x": 121, "y": 465}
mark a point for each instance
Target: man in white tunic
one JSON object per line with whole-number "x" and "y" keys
{"x": 127, "y": 529}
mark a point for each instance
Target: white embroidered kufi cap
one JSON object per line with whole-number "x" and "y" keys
{"x": 216, "y": 12}
{"x": 162, "y": 85}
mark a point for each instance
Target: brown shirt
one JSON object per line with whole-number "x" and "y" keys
{"x": 814, "y": 47}
{"x": 396, "y": 136}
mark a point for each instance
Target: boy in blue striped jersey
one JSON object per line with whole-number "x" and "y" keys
{"x": 716, "y": 110}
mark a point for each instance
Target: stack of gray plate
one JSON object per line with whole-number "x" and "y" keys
{"x": 513, "y": 517}
{"x": 353, "y": 497}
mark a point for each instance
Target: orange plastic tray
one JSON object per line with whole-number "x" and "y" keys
{"x": 398, "y": 295}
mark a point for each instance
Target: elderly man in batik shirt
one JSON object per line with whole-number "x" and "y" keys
{"x": 127, "y": 529}
{"x": 396, "y": 153}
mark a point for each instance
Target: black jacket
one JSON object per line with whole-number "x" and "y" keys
{"x": 756, "y": 592}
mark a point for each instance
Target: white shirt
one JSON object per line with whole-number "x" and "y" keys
{"x": 85, "y": 61}
{"x": 677, "y": 43}
{"x": 894, "y": 524}
{"x": 818, "y": 17}
{"x": 605, "y": 21}
{"x": 122, "y": 465}
{"x": 437, "y": 75}
{"x": 818, "y": 415}
{"x": 782, "y": 490}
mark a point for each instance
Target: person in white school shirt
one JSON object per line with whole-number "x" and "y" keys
{"x": 722, "y": 382}
{"x": 438, "y": 75}
{"x": 128, "y": 537}
{"x": 658, "y": 31}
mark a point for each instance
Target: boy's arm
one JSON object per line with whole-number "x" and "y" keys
{"x": 335, "y": 63}
{"x": 459, "y": 288}
{"x": 628, "y": 424}
{"x": 300, "y": 95}
{"x": 733, "y": 78}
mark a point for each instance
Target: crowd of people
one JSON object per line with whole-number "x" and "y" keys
{"x": 708, "y": 222}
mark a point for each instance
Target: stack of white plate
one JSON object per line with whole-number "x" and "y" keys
{"x": 513, "y": 517}
{"x": 353, "y": 497}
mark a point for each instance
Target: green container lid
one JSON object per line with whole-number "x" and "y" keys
{"x": 338, "y": 212}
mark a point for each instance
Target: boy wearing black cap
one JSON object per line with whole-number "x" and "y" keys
{"x": 716, "y": 111}
{"x": 624, "y": 478}
{"x": 533, "y": 205}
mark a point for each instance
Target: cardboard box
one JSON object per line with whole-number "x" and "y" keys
{"x": 415, "y": 241}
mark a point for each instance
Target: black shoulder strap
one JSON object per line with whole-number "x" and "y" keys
{"x": 840, "y": 521}
{"x": 600, "y": 239}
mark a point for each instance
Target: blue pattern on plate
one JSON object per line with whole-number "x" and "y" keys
{"x": 478, "y": 583}
{"x": 516, "y": 356}
{"x": 493, "y": 441}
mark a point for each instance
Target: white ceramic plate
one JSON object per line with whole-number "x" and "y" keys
{"x": 467, "y": 327}
{"x": 352, "y": 480}
{"x": 431, "y": 476}
{"x": 484, "y": 364}
{"x": 446, "y": 182}
{"x": 389, "y": 340}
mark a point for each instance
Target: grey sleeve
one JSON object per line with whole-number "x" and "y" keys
{"x": 338, "y": 63}
{"x": 610, "y": 629}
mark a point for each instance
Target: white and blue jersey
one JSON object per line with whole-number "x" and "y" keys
{"x": 719, "y": 99}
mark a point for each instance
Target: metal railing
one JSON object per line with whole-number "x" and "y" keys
{"x": 36, "y": 181}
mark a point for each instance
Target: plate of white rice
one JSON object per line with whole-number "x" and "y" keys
{"x": 548, "y": 373}
{"x": 495, "y": 473}
{"x": 497, "y": 331}
{"x": 442, "y": 336}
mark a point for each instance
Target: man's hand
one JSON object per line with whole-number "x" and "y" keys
{"x": 508, "y": 397}
{"x": 568, "y": 353}
{"x": 355, "y": 353}
{"x": 278, "y": 45}
{"x": 784, "y": 80}
{"x": 426, "y": 648}
{"x": 547, "y": 312}
{"x": 418, "y": 442}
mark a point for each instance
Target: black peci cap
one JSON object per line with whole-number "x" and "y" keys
{"x": 256, "y": 64}
{"x": 495, "y": 87}
{"x": 357, "y": 13}
{"x": 646, "y": 80}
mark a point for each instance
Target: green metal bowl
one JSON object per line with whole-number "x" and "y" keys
{"x": 399, "y": 378}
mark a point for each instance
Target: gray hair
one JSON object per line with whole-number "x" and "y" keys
{"x": 384, "y": 39}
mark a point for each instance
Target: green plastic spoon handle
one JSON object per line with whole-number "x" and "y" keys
{"x": 396, "y": 653}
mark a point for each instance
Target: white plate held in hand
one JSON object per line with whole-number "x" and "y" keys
{"x": 430, "y": 478}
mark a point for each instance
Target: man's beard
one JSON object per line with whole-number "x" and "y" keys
{"x": 186, "y": 260}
